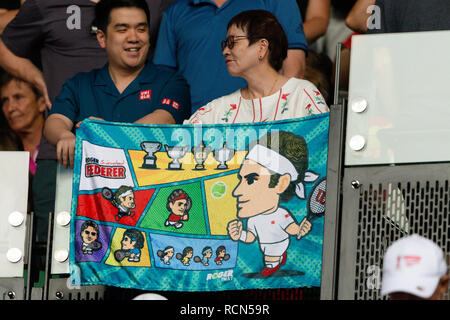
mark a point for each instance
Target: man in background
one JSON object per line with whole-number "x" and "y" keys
{"x": 414, "y": 268}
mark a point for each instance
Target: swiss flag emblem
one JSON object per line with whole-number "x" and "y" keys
{"x": 145, "y": 94}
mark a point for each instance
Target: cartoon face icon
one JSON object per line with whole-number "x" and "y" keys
{"x": 254, "y": 193}
{"x": 128, "y": 201}
{"x": 221, "y": 252}
{"x": 178, "y": 207}
{"x": 89, "y": 232}
{"x": 169, "y": 254}
{"x": 189, "y": 253}
{"x": 128, "y": 243}
{"x": 208, "y": 254}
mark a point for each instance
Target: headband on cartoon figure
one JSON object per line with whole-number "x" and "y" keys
{"x": 277, "y": 163}
{"x": 168, "y": 250}
{"x": 180, "y": 197}
{"x": 126, "y": 193}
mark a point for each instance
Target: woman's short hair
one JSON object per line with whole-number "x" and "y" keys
{"x": 262, "y": 24}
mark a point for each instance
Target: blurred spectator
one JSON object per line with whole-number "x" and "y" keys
{"x": 319, "y": 71}
{"x": 23, "y": 110}
{"x": 358, "y": 17}
{"x": 8, "y": 11}
{"x": 337, "y": 30}
{"x": 9, "y": 141}
{"x": 23, "y": 107}
{"x": 412, "y": 16}
{"x": 315, "y": 16}
{"x": 414, "y": 268}
{"x": 191, "y": 32}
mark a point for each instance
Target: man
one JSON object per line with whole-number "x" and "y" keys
{"x": 60, "y": 31}
{"x": 23, "y": 107}
{"x": 126, "y": 89}
{"x": 411, "y": 16}
{"x": 266, "y": 178}
{"x": 414, "y": 268}
{"x": 191, "y": 32}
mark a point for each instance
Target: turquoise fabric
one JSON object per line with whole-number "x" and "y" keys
{"x": 109, "y": 156}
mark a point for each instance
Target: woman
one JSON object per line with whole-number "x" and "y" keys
{"x": 254, "y": 49}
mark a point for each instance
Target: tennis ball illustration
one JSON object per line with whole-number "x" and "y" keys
{"x": 218, "y": 189}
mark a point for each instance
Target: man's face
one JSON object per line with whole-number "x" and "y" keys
{"x": 21, "y": 108}
{"x": 127, "y": 243}
{"x": 178, "y": 207}
{"x": 89, "y": 235}
{"x": 253, "y": 193}
{"x": 128, "y": 201}
{"x": 127, "y": 39}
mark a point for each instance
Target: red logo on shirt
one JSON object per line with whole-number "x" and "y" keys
{"x": 169, "y": 102}
{"x": 145, "y": 94}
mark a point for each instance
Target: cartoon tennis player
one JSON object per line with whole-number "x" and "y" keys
{"x": 221, "y": 255}
{"x": 268, "y": 175}
{"x": 89, "y": 234}
{"x": 132, "y": 243}
{"x": 178, "y": 204}
{"x": 123, "y": 199}
{"x": 186, "y": 256}
{"x": 166, "y": 255}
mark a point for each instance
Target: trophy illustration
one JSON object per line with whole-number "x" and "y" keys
{"x": 176, "y": 153}
{"x": 200, "y": 155}
{"x": 223, "y": 155}
{"x": 151, "y": 148}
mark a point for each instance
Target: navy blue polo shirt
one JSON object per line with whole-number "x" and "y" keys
{"x": 95, "y": 94}
{"x": 190, "y": 35}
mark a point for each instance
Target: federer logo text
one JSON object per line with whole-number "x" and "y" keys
{"x": 145, "y": 95}
{"x": 110, "y": 172}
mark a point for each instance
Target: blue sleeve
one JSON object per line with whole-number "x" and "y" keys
{"x": 175, "y": 98}
{"x": 67, "y": 102}
{"x": 288, "y": 14}
{"x": 165, "y": 52}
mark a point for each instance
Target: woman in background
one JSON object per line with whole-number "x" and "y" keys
{"x": 254, "y": 49}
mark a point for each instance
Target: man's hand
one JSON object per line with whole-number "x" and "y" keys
{"x": 94, "y": 118}
{"x": 235, "y": 229}
{"x": 39, "y": 83}
{"x": 65, "y": 149}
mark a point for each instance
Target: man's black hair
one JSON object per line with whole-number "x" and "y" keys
{"x": 104, "y": 7}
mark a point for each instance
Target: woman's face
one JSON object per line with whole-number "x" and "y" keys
{"x": 241, "y": 57}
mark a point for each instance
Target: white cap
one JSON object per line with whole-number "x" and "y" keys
{"x": 150, "y": 296}
{"x": 413, "y": 265}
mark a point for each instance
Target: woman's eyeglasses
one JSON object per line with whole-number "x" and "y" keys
{"x": 230, "y": 41}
